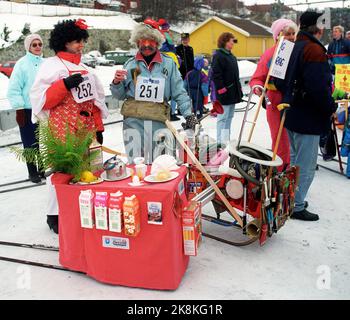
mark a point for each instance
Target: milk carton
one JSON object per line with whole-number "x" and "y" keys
{"x": 101, "y": 201}
{"x": 131, "y": 213}
{"x": 116, "y": 211}
{"x": 86, "y": 208}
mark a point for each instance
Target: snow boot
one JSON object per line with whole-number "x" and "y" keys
{"x": 52, "y": 221}
{"x": 33, "y": 173}
{"x": 305, "y": 216}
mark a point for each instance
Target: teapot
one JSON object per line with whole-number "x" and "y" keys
{"x": 115, "y": 168}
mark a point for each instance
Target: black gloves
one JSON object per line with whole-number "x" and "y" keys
{"x": 21, "y": 118}
{"x": 73, "y": 81}
{"x": 99, "y": 137}
{"x": 191, "y": 122}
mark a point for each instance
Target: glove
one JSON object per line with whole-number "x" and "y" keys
{"x": 99, "y": 137}
{"x": 21, "y": 118}
{"x": 338, "y": 94}
{"x": 73, "y": 81}
{"x": 191, "y": 122}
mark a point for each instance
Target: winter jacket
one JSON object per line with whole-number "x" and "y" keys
{"x": 22, "y": 79}
{"x": 187, "y": 59}
{"x": 307, "y": 87}
{"x": 338, "y": 53}
{"x": 194, "y": 81}
{"x": 162, "y": 66}
{"x": 226, "y": 77}
{"x": 260, "y": 74}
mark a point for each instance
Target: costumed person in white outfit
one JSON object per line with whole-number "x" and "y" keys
{"x": 53, "y": 98}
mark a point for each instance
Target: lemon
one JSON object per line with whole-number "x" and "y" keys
{"x": 87, "y": 176}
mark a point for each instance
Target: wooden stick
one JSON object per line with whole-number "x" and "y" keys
{"x": 105, "y": 149}
{"x": 265, "y": 86}
{"x": 231, "y": 210}
{"x": 280, "y": 107}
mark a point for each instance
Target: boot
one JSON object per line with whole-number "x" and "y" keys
{"x": 305, "y": 216}
{"x": 52, "y": 221}
{"x": 33, "y": 173}
{"x": 173, "y": 117}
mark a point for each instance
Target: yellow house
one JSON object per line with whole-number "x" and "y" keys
{"x": 252, "y": 38}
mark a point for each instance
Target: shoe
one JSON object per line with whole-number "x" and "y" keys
{"x": 42, "y": 175}
{"x": 52, "y": 221}
{"x": 327, "y": 157}
{"x": 35, "y": 178}
{"x": 205, "y": 110}
{"x": 179, "y": 113}
{"x": 173, "y": 117}
{"x": 306, "y": 204}
{"x": 305, "y": 216}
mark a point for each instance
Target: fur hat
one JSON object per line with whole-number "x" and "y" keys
{"x": 29, "y": 39}
{"x": 143, "y": 31}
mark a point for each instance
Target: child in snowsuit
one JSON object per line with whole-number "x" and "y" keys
{"x": 195, "y": 84}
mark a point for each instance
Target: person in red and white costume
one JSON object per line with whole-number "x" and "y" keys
{"x": 66, "y": 92}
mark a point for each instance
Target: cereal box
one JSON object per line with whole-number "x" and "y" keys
{"x": 192, "y": 228}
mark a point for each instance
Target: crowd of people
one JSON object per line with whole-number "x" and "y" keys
{"x": 162, "y": 78}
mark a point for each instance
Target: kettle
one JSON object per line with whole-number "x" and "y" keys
{"x": 115, "y": 168}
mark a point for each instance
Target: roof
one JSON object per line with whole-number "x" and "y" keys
{"x": 268, "y": 8}
{"x": 243, "y": 26}
{"x": 247, "y": 25}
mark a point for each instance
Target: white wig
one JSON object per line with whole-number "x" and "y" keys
{"x": 143, "y": 31}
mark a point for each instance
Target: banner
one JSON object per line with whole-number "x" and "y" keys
{"x": 342, "y": 77}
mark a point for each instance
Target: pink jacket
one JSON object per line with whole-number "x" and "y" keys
{"x": 260, "y": 74}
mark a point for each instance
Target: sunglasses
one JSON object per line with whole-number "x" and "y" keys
{"x": 34, "y": 45}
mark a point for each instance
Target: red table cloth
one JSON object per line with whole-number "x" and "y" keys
{"x": 155, "y": 257}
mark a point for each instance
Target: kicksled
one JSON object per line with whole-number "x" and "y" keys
{"x": 251, "y": 199}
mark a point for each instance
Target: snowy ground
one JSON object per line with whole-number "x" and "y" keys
{"x": 290, "y": 265}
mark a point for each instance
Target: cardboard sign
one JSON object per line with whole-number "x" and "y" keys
{"x": 342, "y": 77}
{"x": 280, "y": 64}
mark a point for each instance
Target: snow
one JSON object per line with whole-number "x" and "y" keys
{"x": 16, "y": 16}
{"x": 287, "y": 267}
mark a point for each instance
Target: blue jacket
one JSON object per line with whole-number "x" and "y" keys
{"x": 338, "y": 52}
{"x": 22, "y": 79}
{"x": 165, "y": 68}
{"x": 307, "y": 87}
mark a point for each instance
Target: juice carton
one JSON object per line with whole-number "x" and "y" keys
{"x": 101, "y": 201}
{"x": 131, "y": 213}
{"x": 192, "y": 228}
{"x": 86, "y": 208}
{"x": 115, "y": 211}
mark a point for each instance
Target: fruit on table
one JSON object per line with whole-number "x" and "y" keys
{"x": 163, "y": 175}
{"x": 87, "y": 176}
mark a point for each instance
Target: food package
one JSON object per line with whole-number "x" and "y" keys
{"x": 101, "y": 201}
{"x": 86, "y": 208}
{"x": 131, "y": 214}
{"x": 192, "y": 228}
{"x": 116, "y": 211}
{"x": 163, "y": 162}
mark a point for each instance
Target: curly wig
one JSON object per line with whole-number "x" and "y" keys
{"x": 144, "y": 31}
{"x": 64, "y": 32}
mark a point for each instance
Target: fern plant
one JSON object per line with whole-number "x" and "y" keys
{"x": 70, "y": 156}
